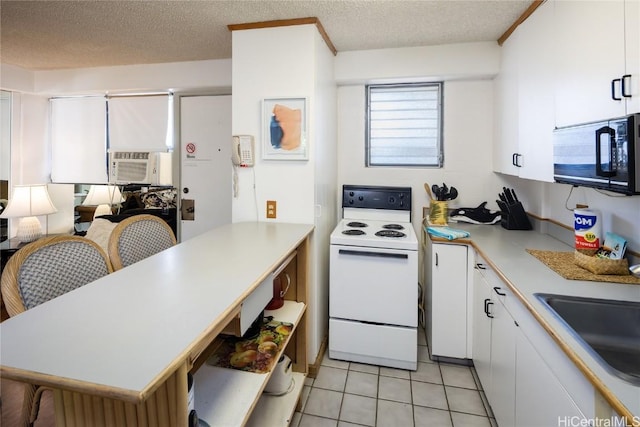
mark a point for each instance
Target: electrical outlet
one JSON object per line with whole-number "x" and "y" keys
{"x": 271, "y": 208}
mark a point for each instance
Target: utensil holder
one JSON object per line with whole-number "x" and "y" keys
{"x": 438, "y": 212}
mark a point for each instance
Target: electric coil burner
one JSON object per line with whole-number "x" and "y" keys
{"x": 390, "y": 233}
{"x": 357, "y": 224}
{"x": 393, "y": 227}
{"x": 373, "y": 282}
{"x": 353, "y": 232}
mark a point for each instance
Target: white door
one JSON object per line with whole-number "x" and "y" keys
{"x": 589, "y": 55}
{"x": 205, "y": 153}
{"x": 449, "y": 301}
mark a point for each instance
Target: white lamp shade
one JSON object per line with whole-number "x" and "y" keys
{"x": 103, "y": 195}
{"x": 29, "y": 200}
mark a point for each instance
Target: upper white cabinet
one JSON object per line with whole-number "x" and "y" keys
{"x": 525, "y": 100}
{"x": 507, "y": 118}
{"x": 597, "y": 60}
{"x": 568, "y": 63}
{"x": 534, "y": 157}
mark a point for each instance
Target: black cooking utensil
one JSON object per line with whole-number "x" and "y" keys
{"x": 453, "y": 193}
{"x": 436, "y": 191}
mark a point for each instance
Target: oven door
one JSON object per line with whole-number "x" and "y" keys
{"x": 374, "y": 285}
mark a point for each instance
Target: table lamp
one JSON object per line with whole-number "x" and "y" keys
{"x": 103, "y": 196}
{"x": 27, "y": 202}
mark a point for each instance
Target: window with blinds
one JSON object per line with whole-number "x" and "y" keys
{"x": 404, "y": 125}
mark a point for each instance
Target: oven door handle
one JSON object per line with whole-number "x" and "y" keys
{"x": 373, "y": 254}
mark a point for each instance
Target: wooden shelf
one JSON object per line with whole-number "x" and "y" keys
{"x": 225, "y": 397}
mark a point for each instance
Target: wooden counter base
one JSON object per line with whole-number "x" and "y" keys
{"x": 166, "y": 407}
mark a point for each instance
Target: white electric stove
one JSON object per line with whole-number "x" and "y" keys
{"x": 373, "y": 285}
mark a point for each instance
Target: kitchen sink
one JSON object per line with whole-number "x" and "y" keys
{"x": 609, "y": 329}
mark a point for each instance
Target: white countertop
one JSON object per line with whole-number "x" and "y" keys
{"x": 123, "y": 330}
{"x": 506, "y": 250}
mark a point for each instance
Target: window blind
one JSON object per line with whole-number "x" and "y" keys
{"x": 78, "y": 140}
{"x": 404, "y": 125}
{"x": 138, "y": 123}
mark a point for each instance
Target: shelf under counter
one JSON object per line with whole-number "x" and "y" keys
{"x": 226, "y": 397}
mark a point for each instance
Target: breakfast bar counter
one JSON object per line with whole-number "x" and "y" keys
{"x": 118, "y": 350}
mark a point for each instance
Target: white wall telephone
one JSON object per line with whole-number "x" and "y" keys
{"x": 243, "y": 150}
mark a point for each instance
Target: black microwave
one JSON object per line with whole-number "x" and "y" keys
{"x": 603, "y": 155}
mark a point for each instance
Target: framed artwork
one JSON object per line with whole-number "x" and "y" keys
{"x": 284, "y": 129}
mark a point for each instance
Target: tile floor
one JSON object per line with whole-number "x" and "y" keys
{"x": 348, "y": 394}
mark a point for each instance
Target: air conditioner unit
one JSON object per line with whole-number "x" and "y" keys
{"x": 140, "y": 167}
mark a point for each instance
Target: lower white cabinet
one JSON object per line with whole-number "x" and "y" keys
{"x": 447, "y": 295}
{"x": 540, "y": 398}
{"x": 494, "y": 345}
{"x": 526, "y": 377}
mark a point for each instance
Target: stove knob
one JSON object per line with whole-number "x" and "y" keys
{"x": 392, "y": 199}
{"x": 361, "y": 198}
{"x": 351, "y": 193}
{"x": 350, "y": 201}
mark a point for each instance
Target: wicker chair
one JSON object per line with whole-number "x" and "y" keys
{"x": 139, "y": 237}
{"x": 41, "y": 271}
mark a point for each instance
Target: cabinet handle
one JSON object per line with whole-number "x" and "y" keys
{"x": 496, "y": 288}
{"x": 623, "y": 89}
{"x": 487, "y": 303}
{"x": 480, "y": 266}
{"x": 613, "y": 90}
{"x": 515, "y": 160}
{"x": 436, "y": 259}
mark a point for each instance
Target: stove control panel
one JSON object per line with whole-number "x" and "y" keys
{"x": 376, "y": 197}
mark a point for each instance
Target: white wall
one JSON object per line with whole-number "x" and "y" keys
{"x": 176, "y": 76}
{"x": 273, "y": 63}
{"x": 14, "y": 78}
{"x": 427, "y": 63}
{"x": 467, "y": 137}
{"x": 290, "y": 62}
{"x": 326, "y": 177}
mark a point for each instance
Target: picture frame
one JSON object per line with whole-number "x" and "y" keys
{"x": 284, "y": 129}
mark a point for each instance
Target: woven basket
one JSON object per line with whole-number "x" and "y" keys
{"x": 597, "y": 265}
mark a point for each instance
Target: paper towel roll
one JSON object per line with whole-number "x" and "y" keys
{"x": 588, "y": 229}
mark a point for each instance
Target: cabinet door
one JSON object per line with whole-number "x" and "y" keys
{"x": 541, "y": 399}
{"x": 503, "y": 366}
{"x": 535, "y": 95}
{"x": 590, "y": 54}
{"x": 632, "y": 58}
{"x": 506, "y": 98}
{"x": 482, "y": 329}
{"x": 449, "y": 300}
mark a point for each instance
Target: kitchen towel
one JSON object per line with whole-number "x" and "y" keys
{"x": 447, "y": 233}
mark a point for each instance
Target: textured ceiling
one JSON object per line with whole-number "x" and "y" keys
{"x": 46, "y": 35}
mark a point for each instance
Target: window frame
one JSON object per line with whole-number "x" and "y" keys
{"x": 440, "y": 143}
